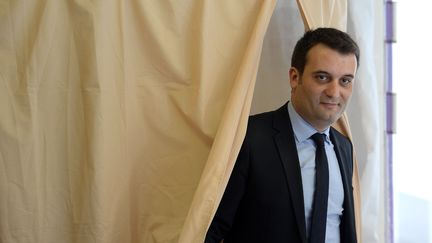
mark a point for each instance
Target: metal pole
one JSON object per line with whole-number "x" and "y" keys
{"x": 390, "y": 39}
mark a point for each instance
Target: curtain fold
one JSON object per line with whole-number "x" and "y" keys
{"x": 229, "y": 136}
{"x": 324, "y": 13}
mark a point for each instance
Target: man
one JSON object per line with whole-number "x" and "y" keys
{"x": 285, "y": 187}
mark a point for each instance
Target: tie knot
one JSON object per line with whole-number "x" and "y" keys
{"x": 318, "y": 139}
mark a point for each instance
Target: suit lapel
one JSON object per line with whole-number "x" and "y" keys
{"x": 348, "y": 233}
{"x": 342, "y": 160}
{"x": 286, "y": 146}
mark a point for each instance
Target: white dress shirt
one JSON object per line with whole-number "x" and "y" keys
{"x": 306, "y": 152}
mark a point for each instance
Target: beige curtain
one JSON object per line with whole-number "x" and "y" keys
{"x": 120, "y": 121}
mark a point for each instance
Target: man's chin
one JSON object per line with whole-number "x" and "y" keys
{"x": 329, "y": 119}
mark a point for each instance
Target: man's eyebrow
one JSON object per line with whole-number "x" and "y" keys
{"x": 321, "y": 72}
{"x": 327, "y": 73}
{"x": 349, "y": 76}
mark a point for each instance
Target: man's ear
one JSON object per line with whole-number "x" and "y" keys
{"x": 294, "y": 76}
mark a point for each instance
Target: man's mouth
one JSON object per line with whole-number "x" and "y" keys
{"x": 330, "y": 105}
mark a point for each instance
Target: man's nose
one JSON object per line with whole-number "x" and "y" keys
{"x": 333, "y": 89}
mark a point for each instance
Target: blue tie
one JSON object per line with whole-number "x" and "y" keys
{"x": 320, "y": 201}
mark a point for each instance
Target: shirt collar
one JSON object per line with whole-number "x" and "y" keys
{"x": 302, "y": 129}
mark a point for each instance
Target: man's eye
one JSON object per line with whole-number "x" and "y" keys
{"x": 322, "y": 77}
{"x": 346, "y": 81}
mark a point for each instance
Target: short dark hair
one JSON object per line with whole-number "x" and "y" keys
{"x": 330, "y": 37}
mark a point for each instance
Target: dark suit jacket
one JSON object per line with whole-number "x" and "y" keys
{"x": 263, "y": 201}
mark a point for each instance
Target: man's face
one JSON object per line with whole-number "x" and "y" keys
{"x": 322, "y": 92}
